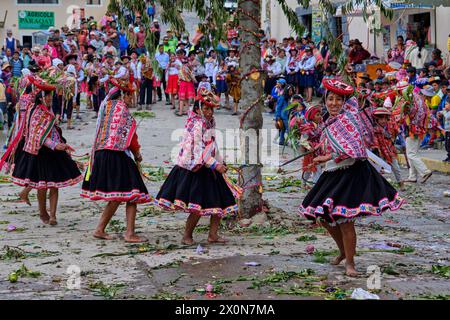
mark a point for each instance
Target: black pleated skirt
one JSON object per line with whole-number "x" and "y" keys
{"x": 47, "y": 169}
{"x": 345, "y": 194}
{"x": 203, "y": 192}
{"x": 115, "y": 177}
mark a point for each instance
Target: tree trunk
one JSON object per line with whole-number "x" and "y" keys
{"x": 249, "y": 13}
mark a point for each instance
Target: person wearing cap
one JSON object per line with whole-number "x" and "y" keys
{"x": 69, "y": 42}
{"x": 46, "y": 164}
{"x": 232, "y": 58}
{"x": 10, "y": 42}
{"x": 281, "y": 111}
{"x": 16, "y": 141}
{"x": 415, "y": 121}
{"x": 112, "y": 175}
{"x": 358, "y": 54}
{"x": 306, "y": 73}
{"x": 172, "y": 39}
{"x": 109, "y": 48}
{"x": 233, "y": 84}
{"x": 350, "y": 187}
{"x": 197, "y": 184}
{"x": 383, "y": 143}
{"x": 168, "y": 48}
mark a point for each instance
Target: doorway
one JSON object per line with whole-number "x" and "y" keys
{"x": 27, "y": 41}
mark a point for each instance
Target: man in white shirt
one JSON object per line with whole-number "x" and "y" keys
{"x": 273, "y": 70}
{"x": 163, "y": 62}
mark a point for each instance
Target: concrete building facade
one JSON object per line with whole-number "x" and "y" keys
{"x": 28, "y": 18}
{"x": 430, "y": 23}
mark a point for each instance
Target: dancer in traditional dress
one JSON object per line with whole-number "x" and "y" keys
{"x": 112, "y": 175}
{"x": 350, "y": 187}
{"x": 45, "y": 163}
{"x": 196, "y": 184}
{"x": 383, "y": 143}
{"x": 16, "y": 141}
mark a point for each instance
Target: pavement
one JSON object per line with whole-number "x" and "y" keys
{"x": 407, "y": 250}
{"x": 432, "y": 159}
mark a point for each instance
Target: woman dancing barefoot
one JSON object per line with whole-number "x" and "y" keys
{"x": 350, "y": 187}
{"x": 45, "y": 163}
{"x": 196, "y": 184}
{"x": 112, "y": 175}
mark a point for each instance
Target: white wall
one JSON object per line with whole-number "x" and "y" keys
{"x": 443, "y": 28}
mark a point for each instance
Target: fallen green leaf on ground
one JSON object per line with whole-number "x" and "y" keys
{"x": 143, "y": 114}
{"x": 320, "y": 256}
{"x": 16, "y": 253}
{"x": 22, "y": 272}
{"x": 306, "y": 238}
{"x": 163, "y": 295}
{"x": 443, "y": 271}
{"x": 116, "y": 226}
{"x": 108, "y": 291}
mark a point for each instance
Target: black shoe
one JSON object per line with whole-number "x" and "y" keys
{"x": 447, "y": 159}
{"x": 168, "y": 103}
{"x": 159, "y": 99}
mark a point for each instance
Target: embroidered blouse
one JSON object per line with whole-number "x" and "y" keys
{"x": 343, "y": 136}
{"x": 198, "y": 147}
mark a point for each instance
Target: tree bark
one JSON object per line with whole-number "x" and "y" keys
{"x": 249, "y": 13}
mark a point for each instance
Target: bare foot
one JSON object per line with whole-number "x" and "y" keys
{"x": 187, "y": 241}
{"x": 217, "y": 239}
{"x": 24, "y": 197}
{"x": 45, "y": 218}
{"x": 103, "y": 235}
{"x": 52, "y": 221}
{"x": 337, "y": 260}
{"x": 134, "y": 239}
{"x": 351, "y": 271}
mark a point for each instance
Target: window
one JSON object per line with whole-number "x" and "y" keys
{"x": 37, "y": 1}
{"x": 93, "y": 2}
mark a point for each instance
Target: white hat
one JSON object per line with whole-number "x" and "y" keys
{"x": 387, "y": 103}
{"x": 56, "y": 62}
{"x": 26, "y": 72}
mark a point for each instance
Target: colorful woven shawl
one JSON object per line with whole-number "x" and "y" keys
{"x": 25, "y": 103}
{"x": 198, "y": 145}
{"x": 344, "y": 133}
{"x": 38, "y": 123}
{"x": 116, "y": 129}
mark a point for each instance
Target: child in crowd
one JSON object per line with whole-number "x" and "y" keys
{"x": 234, "y": 87}
{"x": 221, "y": 81}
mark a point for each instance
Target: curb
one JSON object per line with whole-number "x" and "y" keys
{"x": 432, "y": 164}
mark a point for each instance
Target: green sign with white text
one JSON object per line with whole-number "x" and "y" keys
{"x": 40, "y": 20}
